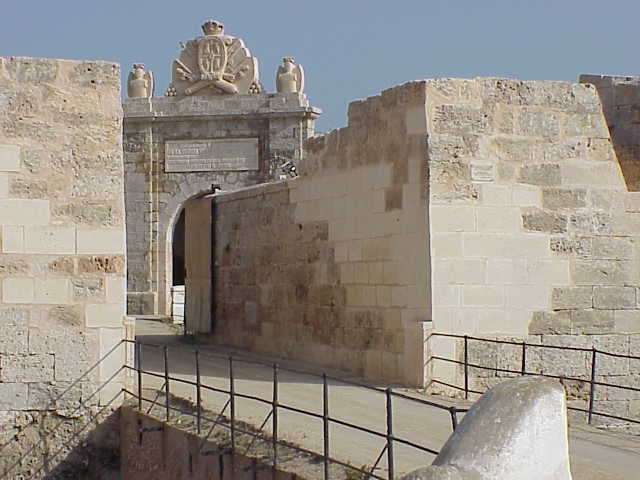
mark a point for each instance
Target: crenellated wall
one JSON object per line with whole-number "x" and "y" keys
{"x": 332, "y": 267}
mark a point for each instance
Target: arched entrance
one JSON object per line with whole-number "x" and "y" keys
{"x": 189, "y": 269}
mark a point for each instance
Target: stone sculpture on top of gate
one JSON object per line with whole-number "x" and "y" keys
{"x": 214, "y": 64}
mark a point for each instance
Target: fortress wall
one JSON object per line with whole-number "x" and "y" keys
{"x": 533, "y": 232}
{"x": 62, "y": 264}
{"x": 332, "y": 267}
{"x": 491, "y": 207}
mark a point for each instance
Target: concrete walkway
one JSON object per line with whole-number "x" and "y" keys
{"x": 594, "y": 454}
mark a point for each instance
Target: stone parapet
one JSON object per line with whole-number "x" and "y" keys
{"x": 248, "y": 106}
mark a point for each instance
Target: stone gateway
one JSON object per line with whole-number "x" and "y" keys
{"x": 215, "y": 126}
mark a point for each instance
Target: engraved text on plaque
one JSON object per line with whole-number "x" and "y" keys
{"x": 211, "y": 155}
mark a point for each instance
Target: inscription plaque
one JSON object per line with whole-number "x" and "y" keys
{"x": 483, "y": 172}
{"x": 211, "y": 155}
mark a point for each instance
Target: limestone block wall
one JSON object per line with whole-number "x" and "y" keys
{"x": 62, "y": 264}
{"x": 155, "y": 197}
{"x": 533, "y": 230}
{"x": 332, "y": 267}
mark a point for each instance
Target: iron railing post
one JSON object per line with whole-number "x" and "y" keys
{"x": 390, "y": 465}
{"x": 166, "y": 379}
{"x": 466, "y": 367}
{"x": 523, "y": 366}
{"x": 139, "y": 371}
{"x": 198, "y": 393}
{"x": 592, "y": 383}
{"x": 232, "y": 404}
{"x": 454, "y": 418}
{"x": 325, "y": 424}
{"x": 274, "y": 424}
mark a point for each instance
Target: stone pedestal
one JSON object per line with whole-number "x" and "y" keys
{"x": 176, "y": 148}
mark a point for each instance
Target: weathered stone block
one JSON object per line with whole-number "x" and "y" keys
{"x": 542, "y": 221}
{"x": 445, "y": 218}
{"x": 527, "y": 297}
{"x": 543, "y": 174}
{"x": 572, "y": 298}
{"x": 550, "y": 323}
{"x": 104, "y": 315}
{"x": 101, "y": 264}
{"x": 498, "y": 219}
{"x": 9, "y": 158}
{"x": 601, "y": 272}
{"x": 457, "y": 118}
{"x": 87, "y": 287}
{"x": 482, "y": 296}
{"x": 596, "y": 223}
{"x": 627, "y": 321}
{"x": 563, "y": 198}
{"x": 548, "y": 272}
{"x": 13, "y": 239}
{"x": 609, "y": 364}
{"x": 68, "y": 315}
{"x": 545, "y": 123}
{"x": 570, "y": 363}
{"x": 579, "y": 246}
{"x": 54, "y": 396}
{"x": 56, "y": 240}
{"x": 18, "y": 290}
{"x": 592, "y": 321}
{"x": 615, "y": 248}
{"x": 13, "y": 396}
{"x": 51, "y": 291}
{"x": 62, "y": 265}
{"x": 614, "y": 298}
{"x": 27, "y": 368}
{"x": 100, "y": 241}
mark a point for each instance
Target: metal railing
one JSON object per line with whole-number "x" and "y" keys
{"x": 526, "y": 347}
{"x": 275, "y": 402}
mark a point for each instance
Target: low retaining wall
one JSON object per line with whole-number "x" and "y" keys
{"x": 154, "y": 450}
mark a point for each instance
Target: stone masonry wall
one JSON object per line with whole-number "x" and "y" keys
{"x": 332, "y": 267}
{"x": 62, "y": 265}
{"x": 533, "y": 231}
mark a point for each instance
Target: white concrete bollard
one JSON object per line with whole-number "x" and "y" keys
{"x": 515, "y": 431}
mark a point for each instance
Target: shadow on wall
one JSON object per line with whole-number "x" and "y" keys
{"x": 620, "y": 97}
{"x": 73, "y": 434}
{"x": 56, "y": 445}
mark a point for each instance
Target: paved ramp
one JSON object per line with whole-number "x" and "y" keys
{"x": 594, "y": 454}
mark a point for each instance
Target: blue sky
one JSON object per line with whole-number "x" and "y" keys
{"x": 351, "y": 48}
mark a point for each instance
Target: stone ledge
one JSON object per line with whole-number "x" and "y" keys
{"x": 263, "y": 104}
{"x": 252, "y": 191}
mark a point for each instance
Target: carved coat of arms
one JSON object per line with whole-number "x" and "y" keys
{"x": 214, "y": 64}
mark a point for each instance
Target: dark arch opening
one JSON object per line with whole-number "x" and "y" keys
{"x": 178, "y": 251}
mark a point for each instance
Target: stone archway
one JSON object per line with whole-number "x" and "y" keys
{"x": 270, "y": 127}
{"x": 162, "y": 263}
{"x": 188, "y": 268}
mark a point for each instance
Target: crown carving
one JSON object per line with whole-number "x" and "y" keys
{"x": 212, "y": 27}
